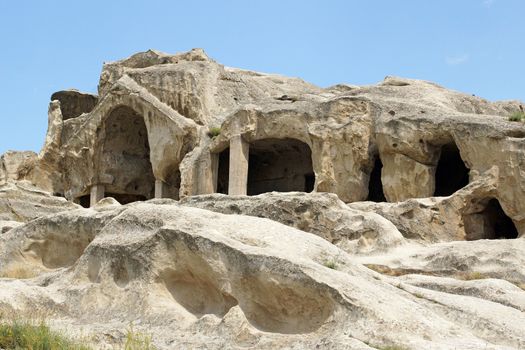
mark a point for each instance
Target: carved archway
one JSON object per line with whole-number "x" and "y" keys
{"x": 124, "y": 157}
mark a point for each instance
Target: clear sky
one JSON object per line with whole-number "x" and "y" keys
{"x": 475, "y": 46}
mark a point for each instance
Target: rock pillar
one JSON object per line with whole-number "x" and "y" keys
{"x": 97, "y": 193}
{"x": 238, "y": 179}
{"x": 160, "y": 189}
{"x": 214, "y": 170}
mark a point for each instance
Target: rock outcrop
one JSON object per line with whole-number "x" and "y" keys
{"x": 22, "y": 202}
{"x": 213, "y": 207}
{"x": 323, "y": 214}
{"x": 195, "y": 277}
{"x": 173, "y": 126}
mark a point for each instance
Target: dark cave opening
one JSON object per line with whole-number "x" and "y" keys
{"x": 223, "y": 172}
{"x": 281, "y": 165}
{"x": 375, "y": 185}
{"x": 84, "y": 200}
{"x": 490, "y": 223}
{"x": 451, "y": 172}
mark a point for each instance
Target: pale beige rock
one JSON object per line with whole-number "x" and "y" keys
{"x": 176, "y": 99}
{"x": 439, "y": 219}
{"x": 496, "y": 290}
{"x": 501, "y": 259}
{"x": 16, "y": 165}
{"x": 195, "y": 279}
{"x": 323, "y": 214}
{"x": 6, "y": 225}
{"x": 23, "y": 202}
{"x": 282, "y": 270}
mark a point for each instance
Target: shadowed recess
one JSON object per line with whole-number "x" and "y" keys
{"x": 126, "y": 157}
{"x": 282, "y": 165}
{"x": 223, "y": 172}
{"x": 490, "y": 223}
{"x": 451, "y": 172}
{"x": 375, "y": 185}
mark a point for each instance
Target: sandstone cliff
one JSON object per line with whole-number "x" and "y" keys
{"x": 214, "y": 207}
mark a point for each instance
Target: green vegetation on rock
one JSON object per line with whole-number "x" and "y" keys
{"x": 19, "y": 334}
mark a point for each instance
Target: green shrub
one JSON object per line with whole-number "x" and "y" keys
{"x": 214, "y": 131}
{"x": 517, "y": 117}
{"x": 19, "y": 334}
{"x": 330, "y": 264}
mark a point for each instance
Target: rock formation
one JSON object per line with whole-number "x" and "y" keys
{"x": 216, "y": 207}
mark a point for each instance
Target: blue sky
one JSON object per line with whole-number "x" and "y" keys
{"x": 475, "y": 46}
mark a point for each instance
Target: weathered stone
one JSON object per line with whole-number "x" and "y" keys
{"x": 74, "y": 103}
{"x": 323, "y": 214}
{"x": 397, "y": 140}
{"x": 195, "y": 277}
{"x": 422, "y": 184}
{"x": 23, "y": 202}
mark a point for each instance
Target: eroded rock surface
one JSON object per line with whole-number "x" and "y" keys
{"x": 322, "y": 214}
{"x": 173, "y": 126}
{"x": 23, "y": 202}
{"x": 225, "y": 208}
{"x": 195, "y": 277}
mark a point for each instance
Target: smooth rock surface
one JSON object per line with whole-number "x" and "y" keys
{"x": 195, "y": 277}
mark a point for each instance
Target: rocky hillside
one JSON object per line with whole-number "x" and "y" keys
{"x": 398, "y": 222}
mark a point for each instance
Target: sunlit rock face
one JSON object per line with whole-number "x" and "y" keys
{"x": 172, "y": 126}
{"x": 225, "y": 208}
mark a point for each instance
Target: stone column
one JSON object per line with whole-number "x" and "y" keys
{"x": 160, "y": 189}
{"x": 97, "y": 193}
{"x": 238, "y": 179}
{"x": 214, "y": 166}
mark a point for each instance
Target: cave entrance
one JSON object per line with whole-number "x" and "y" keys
{"x": 223, "y": 172}
{"x": 489, "y": 223}
{"x": 375, "y": 185}
{"x": 282, "y": 165}
{"x": 126, "y": 157}
{"x": 451, "y": 172}
{"x": 84, "y": 200}
{"x": 172, "y": 185}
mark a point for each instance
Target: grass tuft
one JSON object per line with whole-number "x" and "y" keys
{"x": 19, "y": 334}
{"x": 137, "y": 341}
{"x": 517, "y": 117}
{"x": 330, "y": 264}
{"x": 474, "y": 275}
{"x": 214, "y": 131}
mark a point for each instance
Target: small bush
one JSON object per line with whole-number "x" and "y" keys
{"x": 330, "y": 264}
{"x": 213, "y": 132}
{"x": 18, "y": 334}
{"x": 517, "y": 117}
